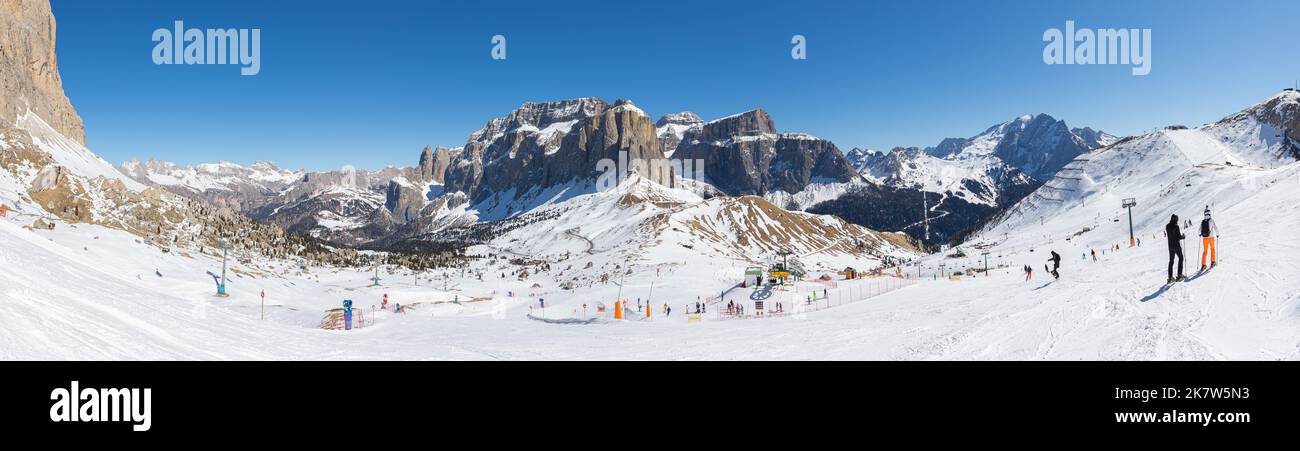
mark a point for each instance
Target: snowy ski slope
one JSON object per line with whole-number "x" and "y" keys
{"x": 89, "y": 292}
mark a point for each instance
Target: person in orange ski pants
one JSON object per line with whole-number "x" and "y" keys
{"x": 1209, "y": 233}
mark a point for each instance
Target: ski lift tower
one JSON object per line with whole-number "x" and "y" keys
{"x": 1129, "y": 203}
{"x": 376, "y": 277}
{"x": 221, "y": 287}
{"x": 785, "y": 264}
{"x": 986, "y": 262}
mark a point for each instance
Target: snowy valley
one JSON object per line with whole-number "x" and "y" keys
{"x": 507, "y": 247}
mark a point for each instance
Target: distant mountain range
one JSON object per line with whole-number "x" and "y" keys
{"x": 546, "y": 152}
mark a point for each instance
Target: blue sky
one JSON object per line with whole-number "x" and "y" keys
{"x": 369, "y": 84}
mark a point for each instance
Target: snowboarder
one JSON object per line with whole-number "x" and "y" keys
{"x": 1056, "y": 264}
{"x": 1209, "y": 233}
{"x": 1175, "y": 248}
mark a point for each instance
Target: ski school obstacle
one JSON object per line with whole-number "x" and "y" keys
{"x": 336, "y": 319}
{"x": 341, "y": 318}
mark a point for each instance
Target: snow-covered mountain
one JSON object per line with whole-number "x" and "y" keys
{"x": 981, "y": 179}
{"x": 960, "y": 182}
{"x": 225, "y": 184}
{"x": 671, "y": 129}
{"x": 644, "y": 220}
{"x": 1175, "y": 170}
{"x": 1037, "y": 145}
{"x": 1172, "y": 171}
{"x": 98, "y": 265}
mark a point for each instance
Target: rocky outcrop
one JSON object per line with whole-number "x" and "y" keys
{"x": 544, "y": 145}
{"x": 743, "y": 154}
{"x": 29, "y": 69}
{"x": 403, "y": 199}
{"x": 672, "y": 128}
{"x": 434, "y": 162}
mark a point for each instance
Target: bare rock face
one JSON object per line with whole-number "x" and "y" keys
{"x": 404, "y": 200}
{"x": 750, "y": 123}
{"x": 29, "y": 70}
{"x": 543, "y": 145}
{"x": 743, "y": 154}
{"x": 434, "y": 162}
{"x": 672, "y": 128}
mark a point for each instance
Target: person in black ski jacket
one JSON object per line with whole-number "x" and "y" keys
{"x": 1175, "y": 236}
{"x": 1056, "y": 264}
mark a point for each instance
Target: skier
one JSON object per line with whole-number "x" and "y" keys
{"x": 1207, "y": 240}
{"x": 1094, "y": 255}
{"x": 1175, "y": 248}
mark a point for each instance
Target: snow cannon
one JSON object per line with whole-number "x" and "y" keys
{"x": 221, "y": 287}
{"x": 347, "y": 314}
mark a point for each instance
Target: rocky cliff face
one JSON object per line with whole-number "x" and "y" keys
{"x": 541, "y": 146}
{"x": 29, "y": 70}
{"x": 434, "y": 162}
{"x": 744, "y": 154}
{"x": 672, "y": 128}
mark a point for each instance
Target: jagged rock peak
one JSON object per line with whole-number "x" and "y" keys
{"x": 29, "y": 69}
{"x": 681, "y": 118}
{"x": 538, "y": 115}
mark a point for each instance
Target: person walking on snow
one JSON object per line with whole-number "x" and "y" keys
{"x": 1175, "y": 237}
{"x": 1209, "y": 233}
